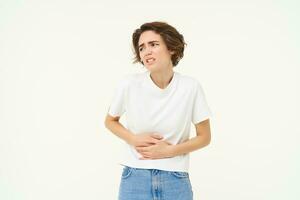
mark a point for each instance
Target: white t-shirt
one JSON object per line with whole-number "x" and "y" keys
{"x": 168, "y": 112}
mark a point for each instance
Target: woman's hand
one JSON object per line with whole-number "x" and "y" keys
{"x": 162, "y": 149}
{"x": 145, "y": 139}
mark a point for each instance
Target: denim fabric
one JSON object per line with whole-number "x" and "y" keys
{"x": 154, "y": 184}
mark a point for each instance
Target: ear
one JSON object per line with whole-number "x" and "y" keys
{"x": 172, "y": 52}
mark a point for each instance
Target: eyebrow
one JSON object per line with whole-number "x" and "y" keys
{"x": 148, "y": 43}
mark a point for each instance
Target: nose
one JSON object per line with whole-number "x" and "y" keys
{"x": 147, "y": 51}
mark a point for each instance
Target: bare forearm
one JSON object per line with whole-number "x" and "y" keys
{"x": 190, "y": 145}
{"x": 119, "y": 130}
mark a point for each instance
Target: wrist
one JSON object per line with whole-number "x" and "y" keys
{"x": 131, "y": 139}
{"x": 172, "y": 151}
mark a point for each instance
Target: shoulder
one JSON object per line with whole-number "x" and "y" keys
{"x": 130, "y": 79}
{"x": 134, "y": 77}
{"x": 189, "y": 81}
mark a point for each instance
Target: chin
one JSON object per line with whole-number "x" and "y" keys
{"x": 149, "y": 68}
{"x": 152, "y": 68}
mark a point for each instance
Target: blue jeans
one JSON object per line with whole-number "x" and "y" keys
{"x": 154, "y": 184}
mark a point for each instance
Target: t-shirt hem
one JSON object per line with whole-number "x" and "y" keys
{"x": 154, "y": 167}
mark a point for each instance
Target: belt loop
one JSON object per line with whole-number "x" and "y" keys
{"x": 155, "y": 171}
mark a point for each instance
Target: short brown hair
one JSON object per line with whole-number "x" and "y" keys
{"x": 172, "y": 38}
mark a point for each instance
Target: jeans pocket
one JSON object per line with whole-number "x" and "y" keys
{"x": 126, "y": 172}
{"x": 180, "y": 174}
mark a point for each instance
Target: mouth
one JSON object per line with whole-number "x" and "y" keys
{"x": 150, "y": 60}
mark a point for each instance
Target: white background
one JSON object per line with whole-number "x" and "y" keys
{"x": 61, "y": 60}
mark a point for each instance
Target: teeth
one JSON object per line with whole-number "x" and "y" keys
{"x": 150, "y": 60}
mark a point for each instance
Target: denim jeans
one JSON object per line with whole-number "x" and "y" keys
{"x": 154, "y": 184}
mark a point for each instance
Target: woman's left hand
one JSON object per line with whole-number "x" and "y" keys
{"x": 160, "y": 150}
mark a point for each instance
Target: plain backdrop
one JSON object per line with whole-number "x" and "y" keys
{"x": 60, "y": 62}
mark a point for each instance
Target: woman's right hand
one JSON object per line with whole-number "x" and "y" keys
{"x": 145, "y": 139}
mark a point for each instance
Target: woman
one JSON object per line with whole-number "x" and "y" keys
{"x": 160, "y": 105}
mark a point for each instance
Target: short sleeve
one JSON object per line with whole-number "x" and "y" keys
{"x": 201, "y": 111}
{"x": 118, "y": 102}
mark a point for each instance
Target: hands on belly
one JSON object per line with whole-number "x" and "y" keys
{"x": 152, "y": 146}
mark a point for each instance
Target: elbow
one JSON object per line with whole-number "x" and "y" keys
{"x": 106, "y": 123}
{"x": 109, "y": 120}
{"x": 208, "y": 140}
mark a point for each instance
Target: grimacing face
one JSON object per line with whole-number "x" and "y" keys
{"x": 153, "y": 51}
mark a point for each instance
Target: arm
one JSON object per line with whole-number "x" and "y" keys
{"x": 202, "y": 139}
{"x": 164, "y": 149}
{"x": 142, "y": 139}
{"x": 113, "y": 124}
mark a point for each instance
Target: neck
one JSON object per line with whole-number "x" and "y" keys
{"x": 162, "y": 78}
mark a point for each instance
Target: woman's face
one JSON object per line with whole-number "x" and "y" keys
{"x": 153, "y": 52}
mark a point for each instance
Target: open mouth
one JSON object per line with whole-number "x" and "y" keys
{"x": 150, "y": 60}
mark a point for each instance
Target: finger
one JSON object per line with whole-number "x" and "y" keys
{"x": 156, "y": 136}
{"x": 147, "y": 158}
{"x": 155, "y": 141}
{"x": 139, "y": 149}
{"x": 144, "y": 153}
{"x": 152, "y": 142}
{"x": 146, "y": 144}
{"x": 142, "y": 149}
{"x": 144, "y": 158}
